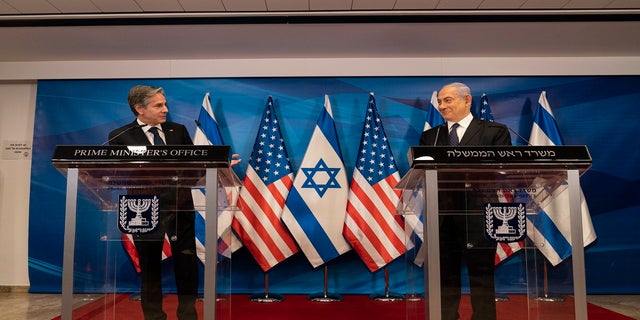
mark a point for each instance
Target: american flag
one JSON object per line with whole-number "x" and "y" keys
{"x": 503, "y": 249}
{"x": 267, "y": 182}
{"x": 371, "y": 227}
{"x": 485, "y": 110}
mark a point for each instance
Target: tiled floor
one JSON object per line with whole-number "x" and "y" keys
{"x": 20, "y": 305}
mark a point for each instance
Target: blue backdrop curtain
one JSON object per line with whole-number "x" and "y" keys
{"x": 600, "y": 112}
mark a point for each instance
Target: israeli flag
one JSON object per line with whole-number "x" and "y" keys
{"x": 414, "y": 223}
{"x": 208, "y": 133}
{"x": 434, "y": 118}
{"x": 550, "y": 229}
{"x": 315, "y": 208}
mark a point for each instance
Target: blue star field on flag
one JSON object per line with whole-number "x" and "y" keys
{"x": 269, "y": 157}
{"x": 375, "y": 161}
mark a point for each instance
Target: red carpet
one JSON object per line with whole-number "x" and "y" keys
{"x": 295, "y": 307}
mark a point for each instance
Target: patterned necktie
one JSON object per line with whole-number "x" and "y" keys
{"x": 157, "y": 140}
{"x": 453, "y": 135}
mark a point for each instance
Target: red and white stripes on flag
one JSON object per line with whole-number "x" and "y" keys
{"x": 267, "y": 182}
{"x": 132, "y": 252}
{"x": 371, "y": 227}
{"x": 504, "y": 250}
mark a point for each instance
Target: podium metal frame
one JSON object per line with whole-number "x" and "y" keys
{"x": 211, "y": 159}
{"x": 427, "y": 161}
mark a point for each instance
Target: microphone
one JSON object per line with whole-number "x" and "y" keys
{"x": 437, "y": 134}
{"x": 519, "y": 136}
{"x": 123, "y": 131}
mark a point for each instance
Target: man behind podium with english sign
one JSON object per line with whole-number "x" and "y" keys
{"x": 461, "y": 235}
{"x": 176, "y": 213}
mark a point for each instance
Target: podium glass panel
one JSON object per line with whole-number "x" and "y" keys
{"x": 473, "y": 204}
{"x": 117, "y": 198}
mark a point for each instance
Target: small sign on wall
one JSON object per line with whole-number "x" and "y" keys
{"x": 16, "y": 150}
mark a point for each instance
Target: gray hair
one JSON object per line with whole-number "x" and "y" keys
{"x": 140, "y": 95}
{"x": 461, "y": 88}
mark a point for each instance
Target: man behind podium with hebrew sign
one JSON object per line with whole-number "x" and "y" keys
{"x": 462, "y": 237}
{"x": 175, "y": 214}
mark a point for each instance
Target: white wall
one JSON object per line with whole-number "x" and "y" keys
{"x": 18, "y": 92}
{"x": 17, "y": 106}
{"x": 408, "y": 66}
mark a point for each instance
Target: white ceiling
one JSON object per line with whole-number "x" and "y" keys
{"x": 62, "y": 30}
{"x": 139, "y": 6}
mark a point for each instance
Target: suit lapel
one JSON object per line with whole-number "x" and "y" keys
{"x": 169, "y": 134}
{"x": 138, "y": 135}
{"x": 443, "y": 135}
{"x": 471, "y": 132}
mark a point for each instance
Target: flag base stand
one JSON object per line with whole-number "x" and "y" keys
{"x": 387, "y": 297}
{"x": 546, "y": 296}
{"x": 201, "y": 298}
{"x": 551, "y": 298}
{"x": 266, "y": 298}
{"x": 413, "y": 297}
{"x": 136, "y": 296}
{"x": 501, "y": 298}
{"x": 325, "y": 297}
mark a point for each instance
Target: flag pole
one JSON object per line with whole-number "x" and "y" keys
{"x": 325, "y": 296}
{"x": 546, "y": 296}
{"x": 387, "y": 296}
{"x": 266, "y": 297}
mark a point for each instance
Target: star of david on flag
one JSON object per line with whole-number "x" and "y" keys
{"x": 315, "y": 208}
{"x": 327, "y": 181}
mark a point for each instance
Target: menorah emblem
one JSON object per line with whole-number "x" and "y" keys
{"x": 513, "y": 217}
{"x": 138, "y": 214}
{"x": 505, "y": 214}
{"x": 138, "y": 206}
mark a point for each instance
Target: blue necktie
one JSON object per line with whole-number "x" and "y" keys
{"x": 157, "y": 140}
{"x": 453, "y": 135}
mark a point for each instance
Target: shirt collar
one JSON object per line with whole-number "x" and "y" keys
{"x": 147, "y": 127}
{"x": 465, "y": 122}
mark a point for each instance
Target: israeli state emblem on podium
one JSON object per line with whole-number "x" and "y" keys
{"x": 138, "y": 214}
{"x": 505, "y": 222}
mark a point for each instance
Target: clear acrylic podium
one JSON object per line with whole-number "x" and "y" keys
{"x": 101, "y": 174}
{"x": 475, "y": 177}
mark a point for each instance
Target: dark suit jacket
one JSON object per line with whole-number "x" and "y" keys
{"x": 479, "y": 133}
{"x": 174, "y": 133}
{"x": 172, "y": 199}
{"x": 461, "y": 224}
